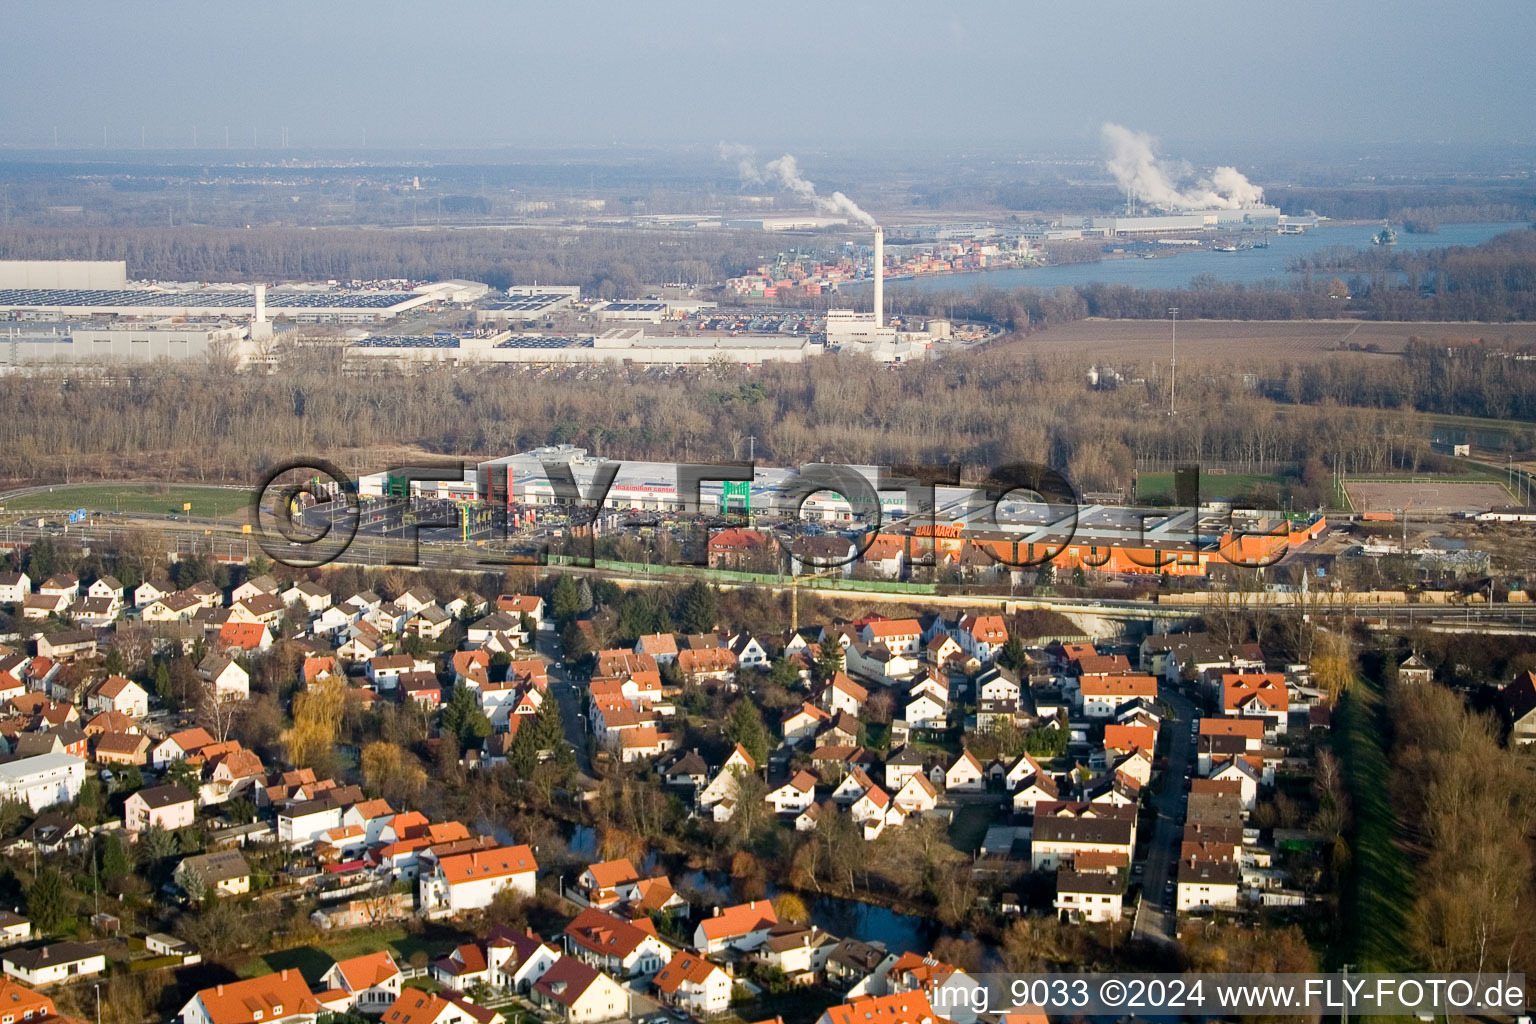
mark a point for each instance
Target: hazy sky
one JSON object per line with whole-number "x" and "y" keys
{"x": 496, "y": 72}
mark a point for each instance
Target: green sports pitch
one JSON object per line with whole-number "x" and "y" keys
{"x": 154, "y": 499}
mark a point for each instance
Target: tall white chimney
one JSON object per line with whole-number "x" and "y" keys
{"x": 261, "y": 304}
{"x": 879, "y": 276}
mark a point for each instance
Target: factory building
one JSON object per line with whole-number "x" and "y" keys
{"x": 786, "y": 223}
{"x": 524, "y": 307}
{"x": 618, "y": 345}
{"x": 1247, "y": 218}
{"x": 36, "y": 344}
{"x": 300, "y": 306}
{"x": 106, "y": 274}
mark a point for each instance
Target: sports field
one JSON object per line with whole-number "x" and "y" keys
{"x": 1426, "y": 496}
{"x": 155, "y": 499}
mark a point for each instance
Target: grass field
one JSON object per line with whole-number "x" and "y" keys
{"x": 313, "y": 961}
{"x": 1248, "y": 340}
{"x": 1213, "y": 486}
{"x": 151, "y": 498}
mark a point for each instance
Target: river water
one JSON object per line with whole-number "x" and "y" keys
{"x": 1247, "y": 266}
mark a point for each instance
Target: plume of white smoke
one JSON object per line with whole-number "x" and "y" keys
{"x": 1139, "y": 172}
{"x": 746, "y": 161}
{"x": 785, "y": 171}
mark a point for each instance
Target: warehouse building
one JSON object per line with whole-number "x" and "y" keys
{"x": 37, "y": 344}
{"x": 307, "y": 306}
{"x": 618, "y": 345}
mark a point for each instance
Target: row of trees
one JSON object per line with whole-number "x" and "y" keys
{"x": 981, "y": 409}
{"x": 608, "y": 263}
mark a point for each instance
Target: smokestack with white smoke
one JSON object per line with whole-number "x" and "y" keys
{"x": 786, "y": 172}
{"x": 1140, "y": 173}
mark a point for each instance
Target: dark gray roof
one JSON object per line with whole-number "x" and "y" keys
{"x": 164, "y": 796}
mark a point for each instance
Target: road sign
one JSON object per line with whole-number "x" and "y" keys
{"x": 77, "y": 515}
{"x": 245, "y": 527}
{"x": 186, "y": 506}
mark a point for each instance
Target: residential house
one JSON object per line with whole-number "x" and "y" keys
{"x": 795, "y": 795}
{"x": 801, "y": 724}
{"x": 42, "y": 781}
{"x": 107, "y": 588}
{"x": 800, "y": 953}
{"x": 94, "y": 612}
{"x": 624, "y": 949}
{"x": 14, "y": 587}
{"x": 694, "y": 985}
{"x": 249, "y": 637}
{"x": 1102, "y": 695}
{"x": 1089, "y": 895}
{"x": 415, "y": 1006}
{"x": 13, "y": 929}
{"x": 842, "y": 694}
{"x": 748, "y": 651}
{"x": 966, "y": 775}
{"x": 982, "y": 636}
{"x": 892, "y": 1008}
{"x": 372, "y": 981}
{"x": 311, "y": 596}
{"x": 178, "y": 746}
{"x": 470, "y": 881}
{"x": 120, "y": 694}
{"x": 926, "y": 712}
{"x": 228, "y": 679}
{"x": 741, "y": 927}
{"x": 916, "y": 795}
{"x": 1207, "y": 885}
{"x": 54, "y": 833}
{"x": 1062, "y": 831}
{"x": 1256, "y": 695}
{"x": 506, "y": 961}
{"x": 121, "y": 748}
{"x": 168, "y": 807}
{"x": 254, "y": 587}
{"x": 531, "y": 605}
{"x": 63, "y": 584}
{"x": 223, "y": 871}
{"x": 49, "y": 965}
{"x": 712, "y": 663}
{"x": 901, "y": 764}
{"x": 280, "y": 998}
{"x": 1518, "y": 702}
{"x": 660, "y": 646}
{"x": 742, "y": 551}
{"x": 578, "y": 994}
{"x": 944, "y": 984}
{"x": 899, "y": 636}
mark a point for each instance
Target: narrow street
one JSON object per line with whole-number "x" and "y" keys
{"x": 1156, "y": 919}
{"x": 572, "y": 709}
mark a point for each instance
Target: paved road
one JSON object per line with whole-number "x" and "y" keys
{"x": 1155, "y": 918}
{"x": 572, "y": 707}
